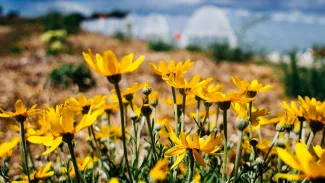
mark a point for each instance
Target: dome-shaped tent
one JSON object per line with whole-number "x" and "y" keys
{"x": 209, "y": 24}
{"x": 155, "y": 28}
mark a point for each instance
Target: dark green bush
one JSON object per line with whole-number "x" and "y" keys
{"x": 56, "y": 20}
{"x": 223, "y": 52}
{"x": 121, "y": 37}
{"x": 194, "y": 48}
{"x": 160, "y": 46}
{"x": 302, "y": 80}
{"x": 71, "y": 74}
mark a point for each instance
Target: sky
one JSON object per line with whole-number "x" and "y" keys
{"x": 300, "y": 22}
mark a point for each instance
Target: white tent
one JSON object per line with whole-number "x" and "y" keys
{"x": 209, "y": 24}
{"x": 155, "y": 27}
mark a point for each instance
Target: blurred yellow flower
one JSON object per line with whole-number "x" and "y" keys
{"x": 293, "y": 109}
{"x": 313, "y": 110}
{"x": 190, "y": 100}
{"x": 177, "y": 80}
{"x": 135, "y": 87}
{"x": 159, "y": 171}
{"x": 21, "y": 112}
{"x": 163, "y": 69}
{"x": 229, "y": 97}
{"x": 254, "y": 86}
{"x": 242, "y": 110}
{"x": 62, "y": 122}
{"x": 82, "y": 105}
{"x": 113, "y": 180}
{"x": 210, "y": 146}
{"x": 6, "y": 147}
{"x": 108, "y": 65}
{"x": 304, "y": 162}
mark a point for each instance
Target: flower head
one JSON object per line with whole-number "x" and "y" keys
{"x": 304, "y": 162}
{"x": 254, "y": 86}
{"x": 209, "y": 146}
{"x": 6, "y": 147}
{"x": 190, "y": 100}
{"x": 21, "y": 111}
{"x": 177, "y": 80}
{"x": 159, "y": 171}
{"x": 108, "y": 65}
{"x": 171, "y": 68}
{"x": 82, "y": 105}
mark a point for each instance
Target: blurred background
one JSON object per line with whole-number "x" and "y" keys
{"x": 277, "y": 42}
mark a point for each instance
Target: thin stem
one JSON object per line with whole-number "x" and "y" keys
{"x": 207, "y": 109}
{"x": 323, "y": 140}
{"x": 272, "y": 145}
{"x": 252, "y": 155}
{"x": 217, "y": 116}
{"x": 197, "y": 109}
{"x": 74, "y": 162}
{"x": 225, "y": 145}
{"x": 118, "y": 93}
{"x": 311, "y": 138}
{"x": 30, "y": 156}
{"x": 175, "y": 110}
{"x": 23, "y": 144}
{"x": 300, "y": 130}
{"x": 238, "y": 154}
{"x": 152, "y": 139}
{"x": 279, "y": 167}
{"x": 183, "y": 112}
{"x": 190, "y": 166}
{"x": 135, "y": 144}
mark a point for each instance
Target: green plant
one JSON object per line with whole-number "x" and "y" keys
{"x": 160, "y": 46}
{"x": 121, "y": 36}
{"x": 302, "y": 80}
{"x": 55, "y": 40}
{"x": 194, "y": 48}
{"x": 70, "y": 74}
{"x": 223, "y": 52}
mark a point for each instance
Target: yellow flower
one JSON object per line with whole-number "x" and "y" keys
{"x": 254, "y": 86}
{"x": 209, "y": 146}
{"x": 229, "y": 97}
{"x": 82, "y": 105}
{"x": 113, "y": 132}
{"x": 130, "y": 91}
{"x": 84, "y": 164}
{"x": 313, "y": 110}
{"x": 242, "y": 111}
{"x": 202, "y": 113}
{"x": 163, "y": 69}
{"x": 43, "y": 172}
{"x": 108, "y": 65}
{"x": 293, "y": 109}
{"x": 197, "y": 178}
{"x": 159, "y": 171}
{"x": 209, "y": 89}
{"x": 304, "y": 162}
{"x": 62, "y": 122}
{"x": 21, "y": 111}
{"x": 6, "y": 147}
{"x": 190, "y": 100}
{"x": 177, "y": 80}
{"x": 113, "y": 180}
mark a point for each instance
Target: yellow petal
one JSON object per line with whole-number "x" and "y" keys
{"x": 111, "y": 62}
{"x": 179, "y": 159}
{"x": 289, "y": 176}
{"x": 176, "y": 150}
{"x": 288, "y": 159}
{"x": 135, "y": 64}
{"x": 126, "y": 61}
{"x": 55, "y": 144}
{"x": 20, "y": 108}
{"x": 198, "y": 158}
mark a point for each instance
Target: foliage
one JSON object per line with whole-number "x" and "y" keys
{"x": 194, "y": 48}
{"x": 160, "y": 46}
{"x": 121, "y": 37}
{"x": 113, "y": 13}
{"x": 70, "y": 74}
{"x": 55, "y": 20}
{"x": 304, "y": 81}
{"x": 223, "y": 52}
{"x": 55, "y": 40}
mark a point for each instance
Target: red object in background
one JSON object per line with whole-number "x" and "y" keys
{"x": 103, "y": 17}
{"x": 177, "y": 36}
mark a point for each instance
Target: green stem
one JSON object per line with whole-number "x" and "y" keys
{"x": 135, "y": 145}
{"x": 152, "y": 139}
{"x": 238, "y": 154}
{"x": 300, "y": 130}
{"x": 190, "y": 166}
{"x": 217, "y": 116}
{"x": 118, "y": 93}
{"x": 311, "y": 138}
{"x": 225, "y": 145}
{"x": 279, "y": 167}
{"x": 272, "y": 145}
{"x": 183, "y": 113}
{"x": 197, "y": 110}
{"x": 175, "y": 111}
{"x": 207, "y": 109}
{"x": 30, "y": 156}
{"x": 252, "y": 155}
{"x": 74, "y": 162}
{"x": 23, "y": 144}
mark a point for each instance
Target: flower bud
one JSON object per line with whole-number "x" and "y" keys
{"x": 224, "y": 105}
{"x": 114, "y": 79}
{"x": 134, "y": 117}
{"x": 251, "y": 94}
{"x": 129, "y": 97}
{"x": 241, "y": 123}
{"x": 253, "y": 142}
{"x": 207, "y": 103}
{"x": 146, "y": 89}
{"x": 146, "y": 110}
